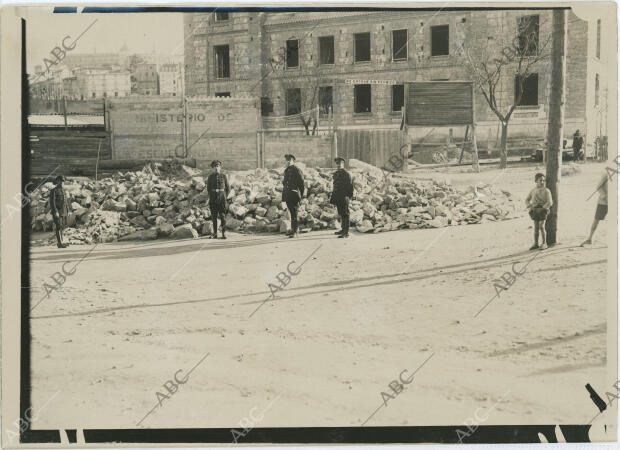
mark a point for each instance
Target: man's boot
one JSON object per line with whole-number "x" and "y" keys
{"x": 214, "y": 233}
{"x": 223, "y": 233}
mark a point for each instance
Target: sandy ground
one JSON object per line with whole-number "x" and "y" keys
{"x": 360, "y": 312}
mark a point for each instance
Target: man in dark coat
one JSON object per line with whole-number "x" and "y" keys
{"x": 218, "y": 188}
{"x": 342, "y": 193}
{"x": 577, "y": 144}
{"x": 292, "y": 191}
{"x": 59, "y": 209}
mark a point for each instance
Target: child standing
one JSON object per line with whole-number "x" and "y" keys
{"x": 539, "y": 202}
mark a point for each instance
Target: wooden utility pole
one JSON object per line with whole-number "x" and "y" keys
{"x": 64, "y": 110}
{"x": 556, "y": 118}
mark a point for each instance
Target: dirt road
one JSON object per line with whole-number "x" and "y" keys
{"x": 359, "y": 313}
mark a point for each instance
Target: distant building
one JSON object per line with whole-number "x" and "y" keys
{"x": 93, "y": 83}
{"x": 145, "y": 79}
{"x": 171, "y": 80}
{"x": 94, "y": 60}
{"x": 71, "y": 88}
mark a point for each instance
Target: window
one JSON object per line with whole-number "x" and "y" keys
{"x": 596, "y": 89}
{"x": 527, "y": 88}
{"x": 221, "y": 16}
{"x": 362, "y": 98}
{"x": 399, "y": 45}
{"x": 222, "y": 94}
{"x": 222, "y": 61}
{"x": 398, "y": 97}
{"x": 325, "y": 99}
{"x": 93, "y": 95}
{"x": 598, "y": 38}
{"x": 293, "y": 101}
{"x": 528, "y": 35}
{"x": 116, "y": 94}
{"x": 105, "y": 94}
{"x": 292, "y": 53}
{"x": 266, "y": 106}
{"x": 440, "y": 40}
{"x": 326, "y": 50}
{"x": 362, "y": 47}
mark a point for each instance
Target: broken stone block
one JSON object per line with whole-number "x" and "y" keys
{"x": 165, "y": 229}
{"x": 233, "y": 224}
{"x": 356, "y": 216}
{"x": 285, "y": 225}
{"x": 131, "y": 205}
{"x": 272, "y": 212}
{"x": 141, "y": 235}
{"x": 184, "y": 231}
{"x": 365, "y": 226}
{"x": 238, "y": 210}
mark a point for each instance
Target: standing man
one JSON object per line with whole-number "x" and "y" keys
{"x": 577, "y": 144}
{"x": 292, "y": 191}
{"x": 601, "y": 208}
{"x": 60, "y": 210}
{"x": 217, "y": 186}
{"x": 342, "y": 193}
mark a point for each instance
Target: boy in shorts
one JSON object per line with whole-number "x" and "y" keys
{"x": 601, "y": 208}
{"x": 539, "y": 203}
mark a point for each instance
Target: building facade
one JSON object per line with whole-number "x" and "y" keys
{"x": 145, "y": 79}
{"x": 355, "y": 63}
{"x": 94, "y": 83}
{"x": 171, "y": 80}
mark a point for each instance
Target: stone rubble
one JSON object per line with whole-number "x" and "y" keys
{"x": 150, "y": 204}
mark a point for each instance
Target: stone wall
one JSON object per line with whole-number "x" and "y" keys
{"x": 216, "y": 128}
{"x": 313, "y": 151}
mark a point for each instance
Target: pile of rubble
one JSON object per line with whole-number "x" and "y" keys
{"x": 148, "y": 204}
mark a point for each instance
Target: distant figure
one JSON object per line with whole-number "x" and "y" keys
{"x": 601, "y": 208}
{"x": 292, "y": 191}
{"x": 539, "y": 203}
{"x": 342, "y": 193}
{"x": 577, "y": 145}
{"x": 60, "y": 210}
{"x": 217, "y": 186}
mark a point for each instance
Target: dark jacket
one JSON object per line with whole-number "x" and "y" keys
{"x": 343, "y": 187}
{"x": 577, "y": 142}
{"x": 218, "y": 188}
{"x": 58, "y": 202}
{"x": 292, "y": 184}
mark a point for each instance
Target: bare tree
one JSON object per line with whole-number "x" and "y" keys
{"x": 490, "y": 65}
{"x": 304, "y": 91}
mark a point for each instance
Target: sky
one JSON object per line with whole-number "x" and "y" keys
{"x": 142, "y": 32}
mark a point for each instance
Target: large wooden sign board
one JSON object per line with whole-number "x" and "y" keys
{"x": 439, "y": 103}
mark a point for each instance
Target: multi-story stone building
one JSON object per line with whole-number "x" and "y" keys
{"x": 171, "y": 80}
{"x": 145, "y": 79}
{"x": 356, "y": 63}
{"x": 95, "y": 83}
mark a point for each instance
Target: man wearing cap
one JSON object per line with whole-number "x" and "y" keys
{"x": 59, "y": 209}
{"x": 217, "y": 186}
{"x": 292, "y": 191}
{"x": 342, "y": 193}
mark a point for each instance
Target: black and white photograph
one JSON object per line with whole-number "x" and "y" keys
{"x": 229, "y": 224}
